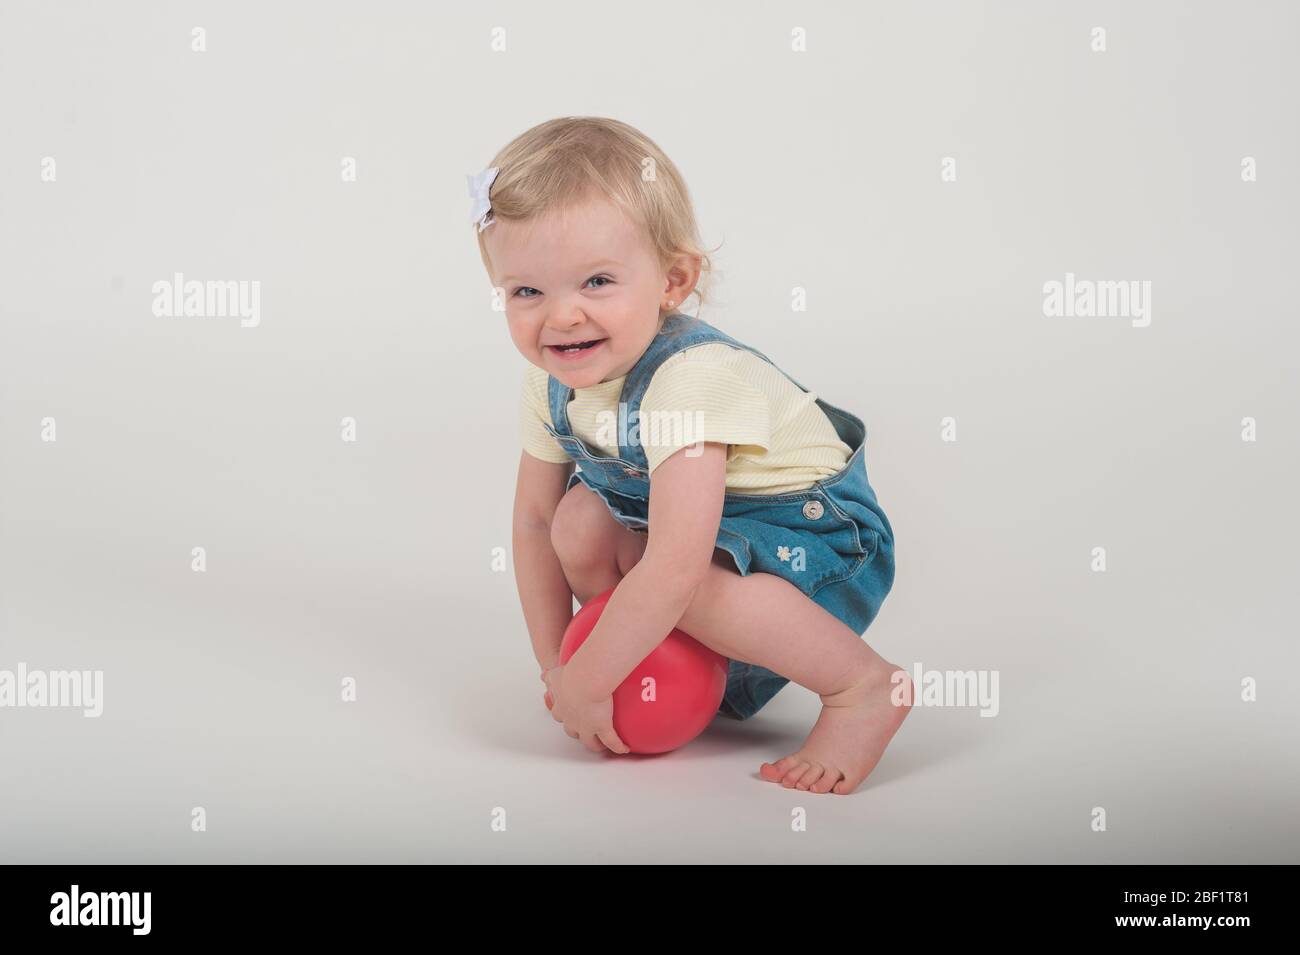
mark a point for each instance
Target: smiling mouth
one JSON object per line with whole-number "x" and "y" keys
{"x": 575, "y": 347}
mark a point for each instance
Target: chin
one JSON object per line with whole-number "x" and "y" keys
{"x": 581, "y": 379}
{"x": 576, "y": 377}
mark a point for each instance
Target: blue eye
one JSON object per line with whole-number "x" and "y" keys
{"x": 529, "y": 288}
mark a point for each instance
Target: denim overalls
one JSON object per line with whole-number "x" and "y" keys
{"x": 832, "y": 540}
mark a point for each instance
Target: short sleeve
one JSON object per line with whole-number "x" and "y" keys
{"x": 533, "y": 410}
{"x": 690, "y": 401}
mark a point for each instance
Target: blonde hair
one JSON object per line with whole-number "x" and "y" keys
{"x": 560, "y": 162}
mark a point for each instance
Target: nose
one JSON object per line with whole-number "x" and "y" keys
{"x": 565, "y": 317}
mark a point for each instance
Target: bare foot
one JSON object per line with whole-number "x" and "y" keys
{"x": 849, "y": 737}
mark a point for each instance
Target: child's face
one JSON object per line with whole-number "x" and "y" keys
{"x": 578, "y": 275}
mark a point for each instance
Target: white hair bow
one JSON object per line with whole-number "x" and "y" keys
{"x": 479, "y": 186}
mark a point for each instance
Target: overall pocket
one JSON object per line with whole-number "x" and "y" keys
{"x": 803, "y": 538}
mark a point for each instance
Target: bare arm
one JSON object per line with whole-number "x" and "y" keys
{"x": 686, "y": 497}
{"x": 544, "y": 592}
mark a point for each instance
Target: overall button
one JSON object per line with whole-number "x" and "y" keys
{"x": 813, "y": 510}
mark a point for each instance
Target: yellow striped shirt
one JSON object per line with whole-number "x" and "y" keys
{"x": 778, "y": 439}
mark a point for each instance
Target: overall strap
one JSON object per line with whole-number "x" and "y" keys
{"x": 689, "y": 329}
{"x": 559, "y": 396}
{"x": 678, "y": 332}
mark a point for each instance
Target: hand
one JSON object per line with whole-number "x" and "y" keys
{"x": 591, "y": 722}
{"x": 549, "y": 697}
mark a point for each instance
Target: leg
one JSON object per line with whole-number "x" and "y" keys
{"x": 764, "y": 619}
{"x": 595, "y": 550}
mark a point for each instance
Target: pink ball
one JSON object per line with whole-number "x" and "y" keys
{"x": 689, "y": 681}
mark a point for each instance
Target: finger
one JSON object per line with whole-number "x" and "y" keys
{"x": 592, "y": 743}
{"x": 611, "y": 739}
{"x": 550, "y": 703}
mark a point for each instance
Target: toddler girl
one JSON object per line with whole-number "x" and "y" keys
{"x": 666, "y": 459}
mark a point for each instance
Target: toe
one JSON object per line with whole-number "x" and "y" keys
{"x": 794, "y": 778}
{"x": 846, "y": 785}
{"x": 827, "y": 780}
{"x": 793, "y": 775}
{"x": 776, "y": 771}
{"x": 814, "y": 773}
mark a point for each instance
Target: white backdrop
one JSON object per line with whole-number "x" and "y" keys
{"x": 127, "y": 156}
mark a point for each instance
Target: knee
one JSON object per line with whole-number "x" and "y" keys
{"x": 580, "y": 530}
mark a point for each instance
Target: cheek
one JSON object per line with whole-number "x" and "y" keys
{"x": 522, "y": 336}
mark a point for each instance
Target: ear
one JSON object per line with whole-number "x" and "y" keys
{"x": 680, "y": 279}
